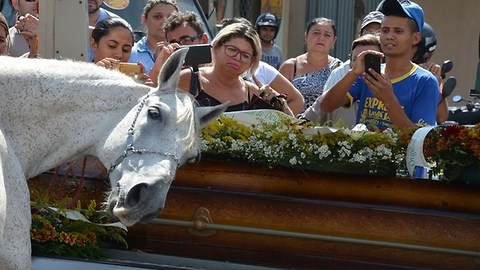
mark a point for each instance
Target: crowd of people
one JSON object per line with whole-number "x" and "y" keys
{"x": 248, "y": 69}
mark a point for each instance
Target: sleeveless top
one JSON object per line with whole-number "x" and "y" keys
{"x": 204, "y": 99}
{"x": 311, "y": 84}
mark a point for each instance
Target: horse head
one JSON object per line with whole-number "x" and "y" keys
{"x": 155, "y": 138}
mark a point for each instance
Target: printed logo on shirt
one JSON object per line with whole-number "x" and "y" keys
{"x": 272, "y": 60}
{"x": 374, "y": 113}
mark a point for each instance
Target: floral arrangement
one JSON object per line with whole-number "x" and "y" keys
{"x": 453, "y": 149}
{"x": 288, "y": 144}
{"x": 58, "y": 229}
{"x": 298, "y": 145}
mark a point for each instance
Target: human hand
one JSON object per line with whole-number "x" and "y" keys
{"x": 143, "y": 78}
{"x": 358, "y": 66}
{"x": 267, "y": 93}
{"x": 109, "y": 63}
{"x": 278, "y": 101}
{"x": 435, "y": 69}
{"x": 27, "y": 25}
{"x": 162, "y": 52}
{"x": 380, "y": 86}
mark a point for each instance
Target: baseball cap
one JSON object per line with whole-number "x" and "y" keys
{"x": 372, "y": 17}
{"x": 404, "y": 8}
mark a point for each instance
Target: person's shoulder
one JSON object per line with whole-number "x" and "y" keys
{"x": 107, "y": 13}
{"x": 140, "y": 43}
{"x": 341, "y": 70}
{"x": 290, "y": 61}
{"x": 277, "y": 48}
{"x": 334, "y": 62}
{"x": 423, "y": 73}
{"x": 184, "y": 79}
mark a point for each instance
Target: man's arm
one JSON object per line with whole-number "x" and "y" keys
{"x": 337, "y": 95}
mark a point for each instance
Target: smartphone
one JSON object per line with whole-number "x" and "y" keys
{"x": 198, "y": 54}
{"x": 372, "y": 61}
{"x": 129, "y": 68}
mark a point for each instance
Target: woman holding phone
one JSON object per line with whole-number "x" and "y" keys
{"x": 112, "y": 41}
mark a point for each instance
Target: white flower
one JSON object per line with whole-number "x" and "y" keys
{"x": 293, "y": 161}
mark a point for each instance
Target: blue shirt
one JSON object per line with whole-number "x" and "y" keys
{"x": 418, "y": 94}
{"x": 142, "y": 53}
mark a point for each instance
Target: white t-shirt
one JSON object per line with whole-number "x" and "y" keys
{"x": 347, "y": 115}
{"x": 264, "y": 73}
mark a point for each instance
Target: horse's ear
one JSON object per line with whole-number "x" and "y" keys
{"x": 209, "y": 113}
{"x": 168, "y": 77}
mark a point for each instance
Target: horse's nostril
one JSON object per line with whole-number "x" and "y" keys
{"x": 135, "y": 194}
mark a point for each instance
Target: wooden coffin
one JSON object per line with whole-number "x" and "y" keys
{"x": 309, "y": 220}
{"x": 286, "y": 218}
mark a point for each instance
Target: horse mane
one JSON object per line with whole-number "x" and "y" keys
{"x": 189, "y": 103}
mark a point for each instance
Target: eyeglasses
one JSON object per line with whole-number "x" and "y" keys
{"x": 30, "y": 1}
{"x": 186, "y": 40}
{"x": 233, "y": 51}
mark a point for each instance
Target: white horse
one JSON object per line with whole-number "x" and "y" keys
{"x": 52, "y": 112}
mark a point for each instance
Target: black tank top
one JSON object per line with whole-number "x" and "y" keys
{"x": 205, "y": 99}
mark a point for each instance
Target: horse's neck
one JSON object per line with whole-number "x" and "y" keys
{"x": 50, "y": 117}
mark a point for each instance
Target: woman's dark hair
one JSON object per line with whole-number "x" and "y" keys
{"x": 322, "y": 20}
{"x": 105, "y": 26}
{"x": 152, "y": 3}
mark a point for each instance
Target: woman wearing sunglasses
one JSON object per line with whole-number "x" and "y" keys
{"x": 235, "y": 50}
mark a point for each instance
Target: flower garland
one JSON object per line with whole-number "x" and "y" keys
{"x": 287, "y": 144}
{"x": 293, "y": 144}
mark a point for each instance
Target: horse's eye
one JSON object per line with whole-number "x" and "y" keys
{"x": 154, "y": 112}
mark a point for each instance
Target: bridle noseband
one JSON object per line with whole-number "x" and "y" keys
{"x": 131, "y": 149}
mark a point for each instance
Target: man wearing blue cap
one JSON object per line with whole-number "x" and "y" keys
{"x": 404, "y": 95}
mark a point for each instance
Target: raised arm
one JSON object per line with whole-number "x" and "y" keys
{"x": 337, "y": 95}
